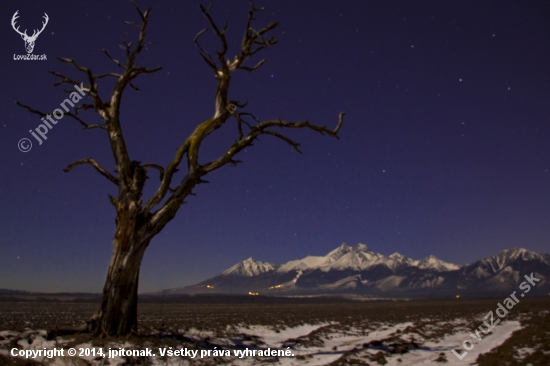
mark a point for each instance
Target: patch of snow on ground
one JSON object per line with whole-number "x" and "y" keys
{"x": 275, "y": 339}
{"x": 336, "y": 343}
{"x": 431, "y": 350}
{"x": 328, "y": 343}
{"x": 524, "y": 352}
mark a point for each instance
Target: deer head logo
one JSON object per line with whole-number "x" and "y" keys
{"x": 29, "y": 41}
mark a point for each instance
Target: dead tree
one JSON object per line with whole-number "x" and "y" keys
{"x": 139, "y": 220}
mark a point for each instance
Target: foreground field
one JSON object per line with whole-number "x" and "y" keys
{"x": 346, "y": 333}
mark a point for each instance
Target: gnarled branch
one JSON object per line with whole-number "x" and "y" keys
{"x": 252, "y": 42}
{"x": 96, "y": 165}
{"x": 155, "y": 166}
{"x": 70, "y": 114}
{"x": 263, "y": 128}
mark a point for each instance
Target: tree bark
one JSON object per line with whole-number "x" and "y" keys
{"x": 117, "y": 315}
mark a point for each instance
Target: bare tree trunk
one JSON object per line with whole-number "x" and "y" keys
{"x": 117, "y": 315}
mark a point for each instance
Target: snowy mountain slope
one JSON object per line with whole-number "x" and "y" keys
{"x": 356, "y": 269}
{"x": 432, "y": 262}
{"x": 248, "y": 268}
{"x": 498, "y": 262}
{"x": 360, "y": 258}
{"x": 506, "y": 269}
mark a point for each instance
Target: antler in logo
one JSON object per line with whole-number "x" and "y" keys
{"x": 29, "y": 41}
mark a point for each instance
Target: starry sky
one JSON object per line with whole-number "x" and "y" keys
{"x": 444, "y": 150}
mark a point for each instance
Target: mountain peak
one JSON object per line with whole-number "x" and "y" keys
{"x": 515, "y": 253}
{"x": 335, "y": 254}
{"x": 249, "y": 268}
{"x": 431, "y": 262}
{"x": 521, "y": 252}
{"x": 361, "y": 247}
{"x": 396, "y": 256}
{"x": 507, "y": 256}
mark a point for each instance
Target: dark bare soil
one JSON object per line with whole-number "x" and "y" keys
{"x": 37, "y": 315}
{"x": 431, "y": 320}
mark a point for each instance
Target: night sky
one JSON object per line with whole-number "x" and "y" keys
{"x": 444, "y": 150}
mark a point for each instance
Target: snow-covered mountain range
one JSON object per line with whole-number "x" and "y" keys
{"x": 356, "y": 269}
{"x": 345, "y": 257}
